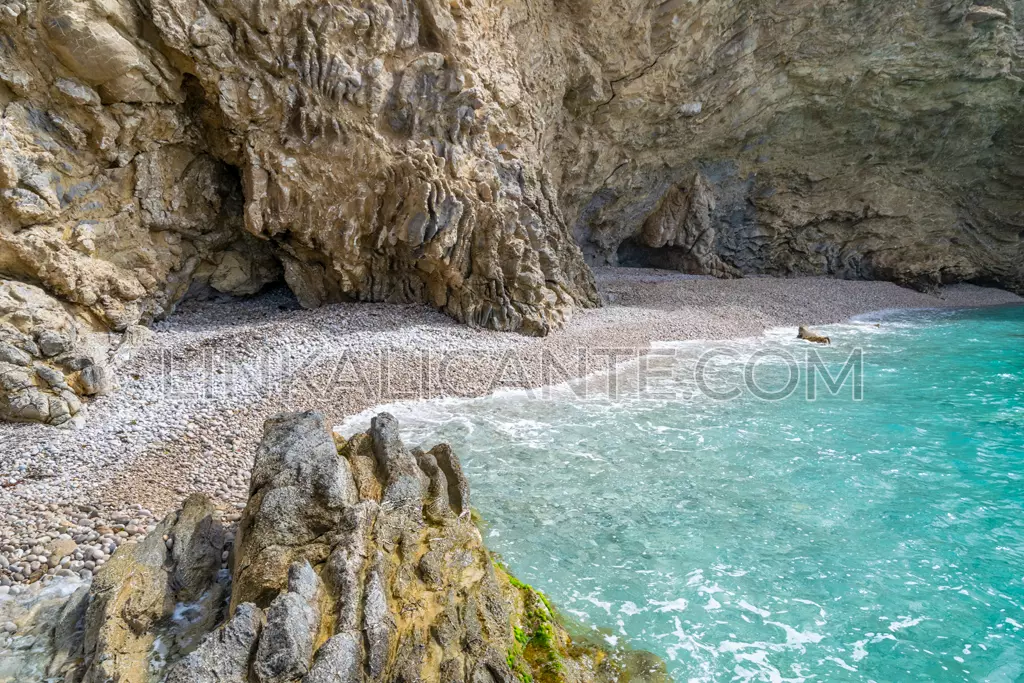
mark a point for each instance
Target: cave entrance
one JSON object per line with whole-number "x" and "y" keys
{"x": 634, "y": 254}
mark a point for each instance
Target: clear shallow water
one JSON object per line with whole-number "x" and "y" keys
{"x": 838, "y": 540}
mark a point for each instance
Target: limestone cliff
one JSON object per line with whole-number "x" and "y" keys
{"x": 878, "y": 140}
{"x": 476, "y": 155}
{"x": 361, "y": 151}
{"x": 356, "y": 561}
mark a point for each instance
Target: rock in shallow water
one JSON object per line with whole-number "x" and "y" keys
{"x": 223, "y": 656}
{"x": 339, "y": 575}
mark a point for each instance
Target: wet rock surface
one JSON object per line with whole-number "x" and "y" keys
{"x": 354, "y": 561}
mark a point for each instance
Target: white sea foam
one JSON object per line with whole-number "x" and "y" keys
{"x": 905, "y": 622}
{"x": 763, "y": 613}
{"x": 630, "y": 609}
{"x": 678, "y": 605}
{"x": 797, "y": 640}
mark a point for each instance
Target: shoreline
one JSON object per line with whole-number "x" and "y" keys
{"x": 568, "y": 389}
{"x": 193, "y": 400}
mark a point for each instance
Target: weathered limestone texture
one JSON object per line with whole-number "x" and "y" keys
{"x": 878, "y": 140}
{"x": 358, "y": 150}
{"x": 47, "y": 364}
{"x": 356, "y": 561}
{"x": 476, "y": 155}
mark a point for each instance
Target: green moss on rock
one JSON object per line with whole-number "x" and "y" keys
{"x": 543, "y": 651}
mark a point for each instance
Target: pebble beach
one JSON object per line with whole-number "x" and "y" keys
{"x": 192, "y": 399}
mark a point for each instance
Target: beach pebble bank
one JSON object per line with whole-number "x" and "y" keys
{"x": 191, "y": 403}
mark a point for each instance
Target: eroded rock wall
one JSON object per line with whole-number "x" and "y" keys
{"x": 880, "y": 140}
{"x": 359, "y": 150}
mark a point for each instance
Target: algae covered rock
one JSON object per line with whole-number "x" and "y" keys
{"x": 381, "y": 576}
{"x": 355, "y": 561}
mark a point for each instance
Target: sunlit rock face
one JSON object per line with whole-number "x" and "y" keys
{"x": 356, "y": 150}
{"x": 476, "y": 155}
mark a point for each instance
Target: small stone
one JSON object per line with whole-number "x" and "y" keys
{"x": 62, "y": 547}
{"x": 51, "y": 343}
{"x": 95, "y": 380}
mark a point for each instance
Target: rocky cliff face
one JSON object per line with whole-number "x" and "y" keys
{"x": 474, "y": 155}
{"x": 353, "y": 561}
{"x": 357, "y": 152}
{"x": 879, "y": 140}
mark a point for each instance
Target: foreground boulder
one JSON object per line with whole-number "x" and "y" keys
{"x": 353, "y": 561}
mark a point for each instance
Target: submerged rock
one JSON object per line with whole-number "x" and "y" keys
{"x": 354, "y": 561}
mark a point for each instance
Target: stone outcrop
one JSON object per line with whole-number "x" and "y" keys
{"x": 679, "y": 234}
{"x": 154, "y": 148}
{"x": 462, "y": 153}
{"x": 354, "y": 561}
{"x": 47, "y": 366}
{"x": 807, "y": 334}
{"x": 155, "y": 596}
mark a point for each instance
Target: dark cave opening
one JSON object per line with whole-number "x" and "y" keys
{"x": 634, "y": 254}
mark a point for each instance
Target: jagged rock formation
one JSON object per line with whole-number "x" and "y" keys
{"x": 154, "y": 147}
{"x": 456, "y": 152}
{"x": 353, "y": 561}
{"x": 679, "y": 234}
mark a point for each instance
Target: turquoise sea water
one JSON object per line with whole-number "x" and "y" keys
{"x": 879, "y": 539}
